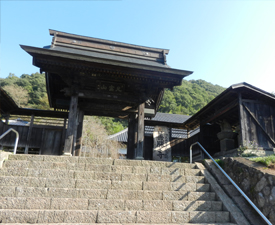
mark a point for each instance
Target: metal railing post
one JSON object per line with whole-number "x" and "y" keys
{"x": 16, "y": 139}
{"x": 234, "y": 184}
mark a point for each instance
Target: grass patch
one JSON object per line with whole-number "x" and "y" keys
{"x": 248, "y": 154}
{"x": 267, "y": 160}
{"x": 220, "y": 162}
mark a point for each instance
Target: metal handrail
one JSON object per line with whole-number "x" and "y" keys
{"x": 235, "y": 185}
{"x": 16, "y": 140}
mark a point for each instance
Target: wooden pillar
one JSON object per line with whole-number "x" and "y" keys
{"x": 29, "y": 135}
{"x": 75, "y": 133}
{"x": 132, "y": 140}
{"x": 170, "y": 133}
{"x": 7, "y": 117}
{"x": 79, "y": 133}
{"x": 241, "y": 120}
{"x": 63, "y": 136}
{"x": 140, "y": 132}
{"x": 68, "y": 146}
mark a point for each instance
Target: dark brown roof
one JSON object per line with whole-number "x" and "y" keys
{"x": 7, "y": 104}
{"x": 106, "y": 49}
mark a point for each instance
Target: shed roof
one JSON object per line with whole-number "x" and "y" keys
{"x": 167, "y": 119}
{"x": 6, "y": 102}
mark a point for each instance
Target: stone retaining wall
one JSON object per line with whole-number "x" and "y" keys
{"x": 259, "y": 186}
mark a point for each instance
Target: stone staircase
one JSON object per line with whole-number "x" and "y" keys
{"x": 77, "y": 190}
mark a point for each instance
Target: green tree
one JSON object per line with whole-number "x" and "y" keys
{"x": 190, "y": 97}
{"x": 18, "y": 94}
{"x": 35, "y": 86}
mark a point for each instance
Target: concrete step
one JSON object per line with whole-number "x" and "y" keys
{"x": 15, "y": 167}
{"x": 98, "y": 177}
{"x": 118, "y": 223}
{"x": 15, "y": 191}
{"x": 82, "y": 160}
{"x": 65, "y": 192}
{"x": 111, "y": 216}
{"x": 107, "y": 204}
{"x": 18, "y": 168}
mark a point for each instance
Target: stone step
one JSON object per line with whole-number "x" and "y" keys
{"x": 192, "y": 185}
{"x": 66, "y": 192}
{"x": 21, "y": 168}
{"x": 72, "y": 183}
{"x": 105, "y": 194}
{"x": 111, "y": 216}
{"x": 82, "y": 160}
{"x": 118, "y": 224}
{"x": 107, "y": 204}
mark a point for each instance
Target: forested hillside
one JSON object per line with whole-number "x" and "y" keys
{"x": 190, "y": 97}
{"x": 30, "y": 91}
{"x": 27, "y": 90}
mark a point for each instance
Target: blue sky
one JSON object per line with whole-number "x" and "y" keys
{"x": 223, "y": 41}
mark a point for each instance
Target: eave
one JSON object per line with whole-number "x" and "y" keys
{"x": 175, "y": 73}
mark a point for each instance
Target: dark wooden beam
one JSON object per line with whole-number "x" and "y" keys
{"x": 132, "y": 136}
{"x": 63, "y": 135}
{"x": 220, "y": 112}
{"x": 68, "y": 147}
{"x": 92, "y": 112}
{"x": 105, "y": 106}
{"x": 241, "y": 118}
{"x": 127, "y": 98}
{"x": 258, "y": 123}
{"x": 136, "y": 99}
{"x": 163, "y": 123}
{"x": 29, "y": 135}
{"x": 79, "y": 133}
{"x": 140, "y": 134}
{"x": 38, "y": 112}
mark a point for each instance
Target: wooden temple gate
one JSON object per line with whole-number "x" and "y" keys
{"x": 90, "y": 76}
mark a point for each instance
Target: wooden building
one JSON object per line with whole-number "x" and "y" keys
{"x": 90, "y": 76}
{"x": 43, "y": 132}
{"x": 242, "y": 115}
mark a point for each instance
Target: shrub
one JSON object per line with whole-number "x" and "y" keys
{"x": 95, "y": 140}
{"x": 267, "y": 160}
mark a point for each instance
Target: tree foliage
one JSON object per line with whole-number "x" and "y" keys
{"x": 189, "y": 98}
{"x": 35, "y": 86}
{"x": 112, "y": 125}
{"x": 95, "y": 140}
{"x": 18, "y": 94}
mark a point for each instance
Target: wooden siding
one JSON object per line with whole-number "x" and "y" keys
{"x": 259, "y": 124}
{"x": 47, "y": 138}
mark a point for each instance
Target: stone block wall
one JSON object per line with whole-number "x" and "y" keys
{"x": 259, "y": 186}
